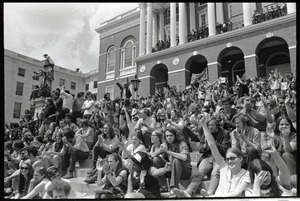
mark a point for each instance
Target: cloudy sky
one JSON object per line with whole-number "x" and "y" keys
{"x": 66, "y": 31}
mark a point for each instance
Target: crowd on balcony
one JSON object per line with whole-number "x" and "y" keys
{"x": 269, "y": 13}
{"x": 246, "y": 135}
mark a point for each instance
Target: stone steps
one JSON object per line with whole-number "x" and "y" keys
{"x": 85, "y": 190}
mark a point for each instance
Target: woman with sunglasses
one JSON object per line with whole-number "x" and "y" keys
{"x": 24, "y": 178}
{"x": 37, "y": 184}
{"x": 233, "y": 178}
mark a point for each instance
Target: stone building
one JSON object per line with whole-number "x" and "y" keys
{"x": 228, "y": 41}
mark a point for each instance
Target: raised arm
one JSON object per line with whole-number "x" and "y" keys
{"x": 284, "y": 173}
{"x": 211, "y": 141}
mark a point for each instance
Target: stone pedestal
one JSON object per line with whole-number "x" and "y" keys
{"x": 39, "y": 104}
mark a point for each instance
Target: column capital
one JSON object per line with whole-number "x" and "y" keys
{"x": 142, "y": 5}
{"x": 149, "y": 4}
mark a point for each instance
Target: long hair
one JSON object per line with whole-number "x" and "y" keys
{"x": 293, "y": 130}
{"x": 111, "y": 132}
{"x": 24, "y": 183}
{"x": 139, "y": 135}
{"x": 258, "y": 165}
{"x": 118, "y": 158}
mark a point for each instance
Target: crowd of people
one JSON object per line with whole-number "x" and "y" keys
{"x": 269, "y": 13}
{"x": 141, "y": 147}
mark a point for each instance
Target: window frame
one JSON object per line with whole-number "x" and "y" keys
{"x": 109, "y": 53}
{"x": 64, "y": 82}
{"x": 87, "y": 86}
{"x": 17, "y": 111}
{"x": 19, "y": 89}
{"x": 73, "y": 85}
{"x": 20, "y": 73}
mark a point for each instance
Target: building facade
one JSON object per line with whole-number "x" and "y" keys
{"x": 18, "y": 71}
{"x": 226, "y": 39}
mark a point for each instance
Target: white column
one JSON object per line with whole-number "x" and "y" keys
{"x": 291, "y": 8}
{"x": 154, "y": 39}
{"x": 161, "y": 24}
{"x": 211, "y": 12}
{"x": 247, "y": 14}
{"x": 142, "y": 29}
{"x": 220, "y": 12}
{"x": 149, "y": 28}
{"x": 182, "y": 24}
{"x": 192, "y": 17}
{"x": 173, "y": 24}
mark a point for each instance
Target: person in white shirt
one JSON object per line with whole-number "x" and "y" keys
{"x": 67, "y": 100}
{"x": 88, "y": 106}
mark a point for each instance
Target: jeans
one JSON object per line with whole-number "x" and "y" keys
{"x": 207, "y": 166}
{"x": 188, "y": 133}
{"x": 179, "y": 171}
{"x": 69, "y": 158}
{"x": 75, "y": 155}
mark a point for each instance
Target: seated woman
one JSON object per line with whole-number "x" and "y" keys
{"x": 114, "y": 179}
{"x": 263, "y": 181}
{"x": 53, "y": 157}
{"x": 233, "y": 178}
{"x": 38, "y": 141}
{"x": 87, "y": 133}
{"x": 136, "y": 145}
{"x": 24, "y": 178}
{"x": 155, "y": 153}
{"x": 288, "y": 137}
{"x": 37, "y": 184}
{"x": 105, "y": 145}
{"x": 142, "y": 180}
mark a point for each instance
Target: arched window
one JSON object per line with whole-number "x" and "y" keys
{"x": 238, "y": 69}
{"x": 110, "y": 59}
{"x": 128, "y": 54}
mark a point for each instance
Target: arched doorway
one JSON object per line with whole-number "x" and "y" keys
{"x": 159, "y": 78}
{"x": 194, "y": 65}
{"x": 273, "y": 54}
{"x": 232, "y": 64}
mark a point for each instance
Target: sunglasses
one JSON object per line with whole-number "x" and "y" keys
{"x": 230, "y": 159}
{"x": 24, "y": 168}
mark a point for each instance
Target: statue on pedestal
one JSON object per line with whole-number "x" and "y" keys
{"x": 47, "y": 74}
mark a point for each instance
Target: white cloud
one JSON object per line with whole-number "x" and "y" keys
{"x": 66, "y": 31}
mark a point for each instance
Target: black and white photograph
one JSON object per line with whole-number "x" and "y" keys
{"x": 150, "y": 100}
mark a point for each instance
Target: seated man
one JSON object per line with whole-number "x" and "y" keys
{"x": 175, "y": 151}
{"x": 76, "y": 148}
